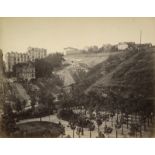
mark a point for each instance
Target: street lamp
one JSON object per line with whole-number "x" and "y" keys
{"x": 117, "y": 126}
{"x": 78, "y": 132}
{"x": 73, "y": 127}
{"x": 91, "y": 127}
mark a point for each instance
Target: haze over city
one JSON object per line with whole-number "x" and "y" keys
{"x": 54, "y": 34}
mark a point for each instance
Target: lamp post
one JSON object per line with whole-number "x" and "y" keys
{"x": 117, "y": 126}
{"x": 122, "y": 121}
{"x": 91, "y": 128}
{"x": 99, "y": 123}
{"x": 122, "y": 129}
{"x": 73, "y": 127}
{"x": 116, "y": 132}
{"x": 78, "y": 132}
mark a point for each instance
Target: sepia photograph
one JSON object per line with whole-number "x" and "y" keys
{"x": 77, "y": 77}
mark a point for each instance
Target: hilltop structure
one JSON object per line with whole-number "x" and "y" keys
{"x": 71, "y": 50}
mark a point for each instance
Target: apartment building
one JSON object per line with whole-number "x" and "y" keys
{"x": 36, "y": 53}
{"x": 1, "y": 62}
{"x": 13, "y": 58}
{"x": 25, "y": 71}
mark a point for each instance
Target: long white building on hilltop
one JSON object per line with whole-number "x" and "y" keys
{"x": 122, "y": 46}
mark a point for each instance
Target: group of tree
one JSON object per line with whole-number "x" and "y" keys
{"x": 44, "y": 67}
{"x": 8, "y": 123}
{"x": 136, "y": 112}
{"x": 131, "y": 94}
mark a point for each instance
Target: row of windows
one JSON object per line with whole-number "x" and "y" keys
{"x": 25, "y": 70}
{"x": 27, "y": 75}
{"x": 15, "y": 58}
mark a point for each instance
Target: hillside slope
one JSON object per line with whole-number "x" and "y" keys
{"x": 79, "y": 62}
{"x": 134, "y": 72}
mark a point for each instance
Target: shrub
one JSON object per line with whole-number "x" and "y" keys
{"x": 67, "y": 115}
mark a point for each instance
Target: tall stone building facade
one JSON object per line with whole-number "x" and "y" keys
{"x": 13, "y": 58}
{"x": 25, "y": 71}
{"x": 36, "y": 53}
{"x": 1, "y": 78}
{"x": 1, "y": 62}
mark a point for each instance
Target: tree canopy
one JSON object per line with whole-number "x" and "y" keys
{"x": 44, "y": 67}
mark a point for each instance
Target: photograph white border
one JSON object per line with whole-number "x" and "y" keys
{"x": 78, "y": 8}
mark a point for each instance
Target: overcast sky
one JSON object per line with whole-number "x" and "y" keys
{"x": 17, "y": 34}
